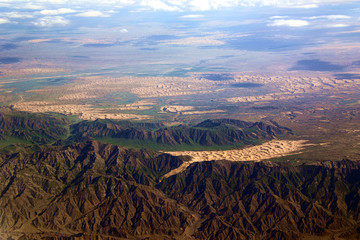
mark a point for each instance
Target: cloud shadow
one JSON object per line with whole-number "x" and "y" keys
{"x": 316, "y": 65}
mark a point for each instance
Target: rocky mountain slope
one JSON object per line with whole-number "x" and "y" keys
{"x": 31, "y": 128}
{"x": 26, "y": 128}
{"x": 217, "y": 132}
{"x": 270, "y": 201}
{"x": 88, "y": 189}
{"x": 97, "y": 191}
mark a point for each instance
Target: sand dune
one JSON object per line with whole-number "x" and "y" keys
{"x": 268, "y": 150}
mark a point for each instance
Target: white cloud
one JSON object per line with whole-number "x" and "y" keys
{"x": 57, "y": 11}
{"x": 157, "y": 5}
{"x": 191, "y": 16}
{"x": 29, "y": 6}
{"x": 336, "y": 25}
{"x": 323, "y": 21}
{"x": 92, "y": 13}
{"x": 331, "y": 17}
{"x": 331, "y": 21}
{"x": 4, "y": 20}
{"x": 124, "y": 30}
{"x": 172, "y": 5}
{"x": 305, "y": 6}
{"x": 17, "y": 15}
{"x": 200, "y": 5}
{"x": 289, "y": 23}
{"x": 278, "y": 17}
{"x": 5, "y": 5}
{"x": 204, "y": 5}
{"x": 51, "y": 21}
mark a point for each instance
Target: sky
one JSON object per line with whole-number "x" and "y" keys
{"x": 178, "y": 36}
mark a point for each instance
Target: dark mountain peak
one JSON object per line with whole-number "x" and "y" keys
{"x": 212, "y": 123}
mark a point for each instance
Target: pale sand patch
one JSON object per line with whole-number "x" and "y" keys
{"x": 186, "y": 110}
{"x": 203, "y": 112}
{"x": 174, "y": 108}
{"x": 268, "y": 150}
{"x": 77, "y": 96}
{"x": 29, "y": 71}
{"x": 85, "y": 111}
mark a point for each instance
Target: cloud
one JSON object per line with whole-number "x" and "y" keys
{"x": 57, "y": 11}
{"x": 28, "y": 6}
{"x": 305, "y": 6}
{"x": 200, "y": 5}
{"x": 350, "y": 32}
{"x": 338, "y": 25}
{"x": 200, "y": 41}
{"x": 172, "y": 5}
{"x": 278, "y": 17}
{"x": 92, "y": 13}
{"x": 39, "y": 40}
{"x": 98, "y": 45}
{"x": 331, "y": 17}
{"x": 331, "y": 21}
{"x": 205, "y": 5}
{"x": 289, "y": 23}
{"x": 336, "y": 17}
{"x": 158, "y": 5}
{"x": 5, "y": 5}
{"x": 124, "y": 30}
{"x": 51, "y": 21}
{"x": 17, "y": 15}
{"x": 4, "y": 20}
{"x": 191, "y": 16}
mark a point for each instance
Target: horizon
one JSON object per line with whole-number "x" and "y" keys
{"x": 177, "y": 37}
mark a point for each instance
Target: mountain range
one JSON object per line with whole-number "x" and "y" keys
{"x": 93, "y": 190}
{"x": 208, "y": 133}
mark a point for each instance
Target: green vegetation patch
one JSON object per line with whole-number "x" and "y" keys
{"x": 26, "y": 128}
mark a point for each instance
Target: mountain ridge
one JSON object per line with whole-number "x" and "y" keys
{"x": 21, "y": 129}
{"x": 33, "y": 128}
{"x": 217, "y": 132}
{"x": 96, "y": 190}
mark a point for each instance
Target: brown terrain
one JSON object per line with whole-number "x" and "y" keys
{"x": 99, "y": 191}
{"x": 77, "y": 97}
{"x": 93, "y": 190}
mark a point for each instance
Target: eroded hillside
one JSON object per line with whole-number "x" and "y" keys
{"x": 94, "y": 190}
